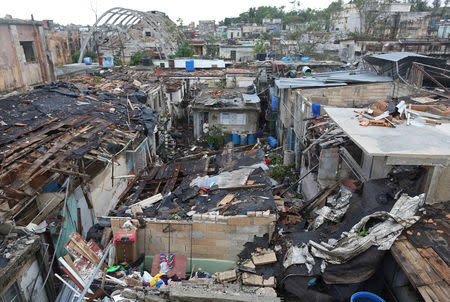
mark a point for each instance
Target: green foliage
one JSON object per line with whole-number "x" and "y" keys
{"x": 259, "y": 47}
{"x": 215, "y": 137}
{"x": 97, "y": 79}
{"x": 256, "y": 14}
{"x": 363, "y": 232}
{"x": 87, "y": 54}
{"x": 278, "y": 173}
{"x": 136, "y": 59}
{"x": 419, "y": 5}
{"x": 275, "y": 159}
{"x": 184, "y": 50}
{"x": 118, "y": 59}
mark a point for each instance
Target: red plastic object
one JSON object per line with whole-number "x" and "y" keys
{"x": 125, "y": 236}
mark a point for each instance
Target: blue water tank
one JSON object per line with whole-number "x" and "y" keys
{"x": 251, "y": 139}
{"x": 365, "y": 297}
{"x": 275, "y": 102}
{"x": 236, "y": 139}
{"x": 189, "y": 65}
{"x": 305, "y": 59}
{"x": 228, "y": 138}
{"x": 87, "y": 60}
{"x": 243, "y": 140}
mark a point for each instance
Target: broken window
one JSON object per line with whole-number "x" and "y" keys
{"x": 28, "y": 50}
{"x": 148, "y": 34}
{"x": 58, "y": 51}
{"x": 12, "y": 294}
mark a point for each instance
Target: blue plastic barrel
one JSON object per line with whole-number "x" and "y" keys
{"x": 228, "y": 138}
{"x": 251, "y": 139}
{"x": 275, "y": 102}
{"x": 189, "y": 65}
{"x": 305, "y": 59}
{"x": 243, "y": 139}
{"x": 365, "y": 297}
{"x": 236, "y": 139}
{"x": 87, "y": 60}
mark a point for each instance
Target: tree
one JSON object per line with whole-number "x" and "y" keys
{"x": 419, "y": 5}
{"x": 184, "y": 50}
{"x": 436, "y": 3}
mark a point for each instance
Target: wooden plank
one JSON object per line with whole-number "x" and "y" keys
{"x": 228, "y": 198}
{"x": 171, "y": 183}
{"x": 413, "y": 264}
{"x": 437, "y": 292}
{"x": 22, "y": 179}
{"x": 149, "y": 201}
{"x": 84, "y": 248}
{"x": 141, "y": 187}
{"x": 436, "y": 263}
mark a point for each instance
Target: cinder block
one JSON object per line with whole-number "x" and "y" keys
{"x": 248, "y": 229}
{"x": 252, "y": 279}
{"x": 221, "y": 218}
{"x": 242, "y": 220}
{"x": 263, "y": 220}
{"x": 199, "y": 226}
{"x": 251, "y": 214}
{"x": 227, "y": 276}
{"x": 197, "y": 217}
{"x": 198, "y": 234}
{"x": 264, "y": 258}
{"x": 269, "y": 282}
{"x": 215, "y": 227}
{"x": 258, "y": 214}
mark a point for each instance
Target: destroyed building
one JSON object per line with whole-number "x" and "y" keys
{"x": 233, "y": 111}
{"x": 128, "y": 31}
{"x": 24, "y": 55}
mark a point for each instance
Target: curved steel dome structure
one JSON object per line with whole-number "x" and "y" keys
{"x": 164, "y": 31}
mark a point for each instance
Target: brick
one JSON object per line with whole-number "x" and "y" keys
{"x": 244, "y": 220}
{"x": 215, "y": 235}
{"x": 252, "y": 279}
{"x": 264, "y": 258}
{"x": 269, "y": 282}
{"x": 251, "y": 214}
{"x": 227, "y": 276}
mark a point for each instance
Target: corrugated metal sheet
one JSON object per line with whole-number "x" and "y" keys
{"x": 326, "y": 79}
{"x": 393, "y": 57}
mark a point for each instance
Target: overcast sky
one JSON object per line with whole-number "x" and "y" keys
{"x": 80, "y": 12}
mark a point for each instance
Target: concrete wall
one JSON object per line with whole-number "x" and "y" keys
{"x": 15, "y": 72}
{"x": 210, "y": 236}
{"x": 59, "y": 46}
{"x": 239, "y": 81}
{"x": 250, "y": 127}
{"x": 353, "y": 95}
{"x": 243, "y": 54}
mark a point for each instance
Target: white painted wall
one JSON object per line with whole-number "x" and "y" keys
{"x": 104, "y": 194}
{"x": 26, "y": 284}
